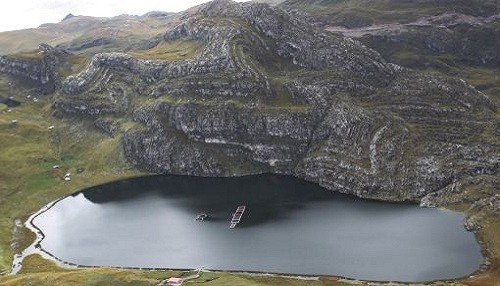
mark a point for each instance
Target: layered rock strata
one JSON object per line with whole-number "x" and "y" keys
{"x": 270, "y": 93}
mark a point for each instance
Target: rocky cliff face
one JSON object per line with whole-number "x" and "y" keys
{"x": 40, "y": 67}
{"x": 270, "y": 93}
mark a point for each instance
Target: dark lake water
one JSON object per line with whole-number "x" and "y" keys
{"x": 290, "y": 226}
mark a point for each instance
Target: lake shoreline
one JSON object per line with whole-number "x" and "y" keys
{"x": 37, "y": 249}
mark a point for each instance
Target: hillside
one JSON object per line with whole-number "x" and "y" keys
{"x": 83, "y": 34}
{"x": 256, "y": 62}
{"x": 359, "y": 13}
{"x": 227, "y": 89}
{"x": 456, "y": 38}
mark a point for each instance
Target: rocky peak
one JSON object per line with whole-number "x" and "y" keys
{"x": 230, "y": 8}
{"x": 305, "y": 46}
{"x": 67, "y": 17}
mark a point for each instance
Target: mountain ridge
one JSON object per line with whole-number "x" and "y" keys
{"x": 192, "y": 106}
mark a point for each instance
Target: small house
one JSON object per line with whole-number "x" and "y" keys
{"x": 173, "y": 281}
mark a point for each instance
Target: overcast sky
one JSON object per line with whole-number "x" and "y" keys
{"x": 20, "y": 14}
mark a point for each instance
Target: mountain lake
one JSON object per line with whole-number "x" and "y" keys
{"x": 288, "y": 226}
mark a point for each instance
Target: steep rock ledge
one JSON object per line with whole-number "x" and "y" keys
{"x": 39, "y": 68}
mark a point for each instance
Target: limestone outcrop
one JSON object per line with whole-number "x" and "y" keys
{"x": 268, "y": 92}
{"x": 39, "y": 67}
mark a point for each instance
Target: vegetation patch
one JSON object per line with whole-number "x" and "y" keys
{"x": 29, "y": 55}
{"x": 34, "y": 164}
{"x": 73, "y": 65}
{"x": 170, "y": 51}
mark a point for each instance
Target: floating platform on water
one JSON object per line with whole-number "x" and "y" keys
{"x": 201, "y": 217}
{"x": 237, "y": 216}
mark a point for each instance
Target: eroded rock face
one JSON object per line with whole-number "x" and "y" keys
{"x": 270, "y": 93}
{"x": 40, "y": 69}
{"x": 266, "y": 140}
{"x": 306, "y": 46}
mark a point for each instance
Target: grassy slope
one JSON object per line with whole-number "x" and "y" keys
{"x": 367, "y": 12}
{"x": 483, "y": 78}
{"x": 29, "y": 39}
{"x": 42, "y": 272}
{"x": 27, "y": 180}
{"x": 170, "y": 51}
{"x": 74, "y": 65}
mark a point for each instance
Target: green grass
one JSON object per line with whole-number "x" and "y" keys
{"x": 74, "y": 65}
{"x": 127, "y": 125}
{"x": 51, "y": 275}
{"x": 43, "y": 180}
{"x": 27, "y": 180}
{"x": 35, "y": 263}
{"x": 3, "y": 107}
{"x": 170, "y": 51}
{"x": 27, "y": 40}
{"x": 282, "y": 99}
{"x": 29, "y": 55}
{"x": 484, "y": 79}
{"x": 38, "y": 271}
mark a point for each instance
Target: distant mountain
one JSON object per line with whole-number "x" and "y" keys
{"x": 270, "y": 2}
{"x": 90, "y": 34}
{"x": 69, "y": 16}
